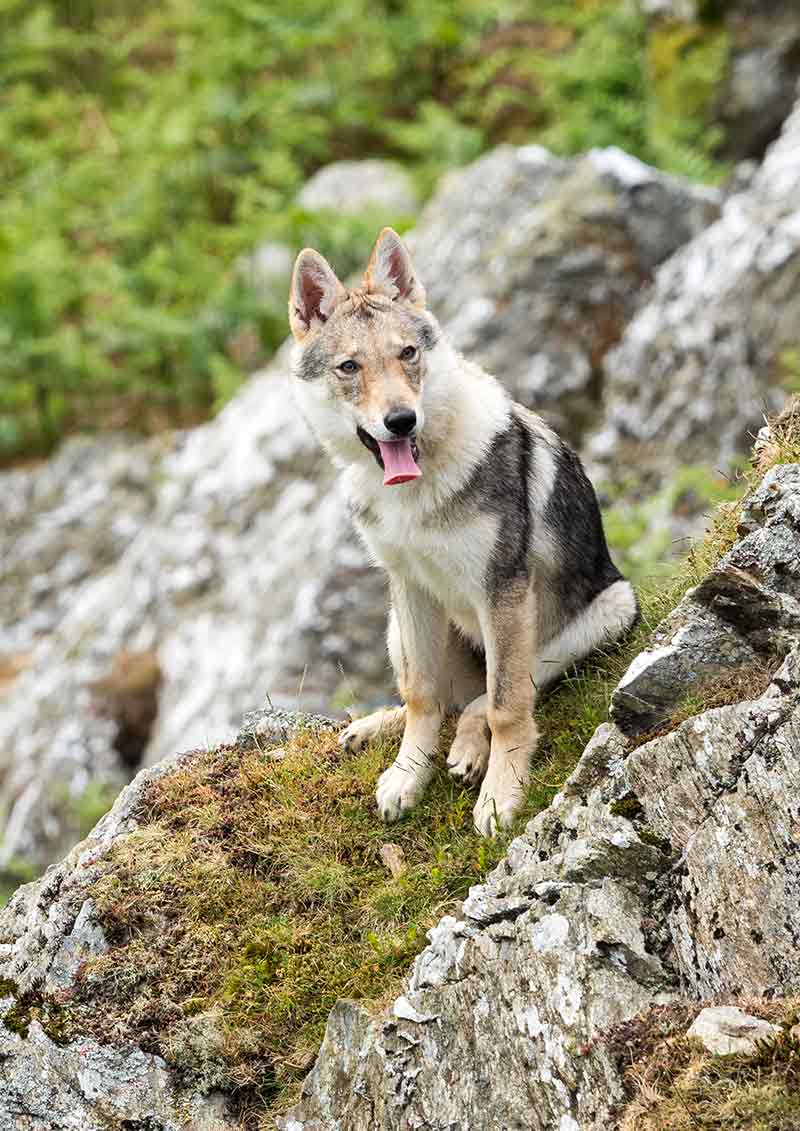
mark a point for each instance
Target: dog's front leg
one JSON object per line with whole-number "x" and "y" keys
{"x": 509, "y": 630}
{"x": 417, "y": 641}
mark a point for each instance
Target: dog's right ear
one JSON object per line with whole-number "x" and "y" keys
{"x": 314, "y": 293}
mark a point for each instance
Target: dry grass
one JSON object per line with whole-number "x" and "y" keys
{"x": 675, "y": 1085}
{"x": 782, "y": 443}
{"x": 736, "y": 686}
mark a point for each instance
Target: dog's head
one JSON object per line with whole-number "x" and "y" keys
{"x": 362, "y": 354}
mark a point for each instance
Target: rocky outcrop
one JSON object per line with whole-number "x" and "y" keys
{"x": 701, "y": 362}
{"x": 664, "y": 869}
{"x": 49, "y": 1082}
{"x": 535, "y": 265}
{"x": 224, "y": 555}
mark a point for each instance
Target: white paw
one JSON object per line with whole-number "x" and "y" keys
{"x": 469, "y": 755}
{"x": 399, "y": 789}
{"x": 499, "y": 801}
{"x": 387, "y": 722}
{"x": 358, "y": 733}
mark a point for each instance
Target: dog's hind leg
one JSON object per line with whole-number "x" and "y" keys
{"x": 604, "y": 620}
{"x": 469, "y": 753}
{"x": 388, "y": 722}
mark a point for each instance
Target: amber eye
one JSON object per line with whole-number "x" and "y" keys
{"x": 349, "y": 366}
{"x": 409, "y": 353}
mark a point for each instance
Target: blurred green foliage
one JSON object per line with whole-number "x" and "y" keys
{"x": 145, "y": 148}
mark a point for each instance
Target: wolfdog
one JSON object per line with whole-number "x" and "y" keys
{"x": 499, "y": 573}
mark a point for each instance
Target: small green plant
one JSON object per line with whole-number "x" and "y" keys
{"x": 639, "y": 532}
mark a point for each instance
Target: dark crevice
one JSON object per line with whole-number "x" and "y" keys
{"x": 128, "y": 696}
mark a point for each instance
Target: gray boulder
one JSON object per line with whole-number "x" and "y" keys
{"x": 353, "y": 187}
{"x": 536, "y": 265}
{"x": 726, "y": 1029}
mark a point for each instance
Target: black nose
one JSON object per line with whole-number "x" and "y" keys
{"x": 401, "y": 421}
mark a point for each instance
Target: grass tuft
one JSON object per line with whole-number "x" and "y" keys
{"x": 674, "y": 1084}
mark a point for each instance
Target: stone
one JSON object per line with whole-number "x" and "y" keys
{"x": 550, "y": 256}
{"x": 725, "y": 1029}
{"x": 353, "y": 187}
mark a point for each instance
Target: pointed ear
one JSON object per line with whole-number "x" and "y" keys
{"x": 391, "y": 272}
{"x": 314, "y": 293}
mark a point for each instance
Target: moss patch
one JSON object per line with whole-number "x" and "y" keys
{"x": 675, "y": 1085}
{"x": 28, "y": 1007}
{"x": 254, "y": 895}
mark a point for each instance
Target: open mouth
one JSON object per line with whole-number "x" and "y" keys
{"x": 398, "y": 458}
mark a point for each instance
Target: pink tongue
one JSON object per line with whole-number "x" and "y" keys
{"x": 399, "y": 465}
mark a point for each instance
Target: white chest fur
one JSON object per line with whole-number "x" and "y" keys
{"x": 448, "y": 560}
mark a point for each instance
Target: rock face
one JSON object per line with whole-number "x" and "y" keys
{"x": 48, "y": 1084}
{"x": 225, "y": 554}
{"x": 535, "y": 265}
{"x": 700, "y": 362}
{"x": 666, "y": 867}
{"x": 660, "y": 869}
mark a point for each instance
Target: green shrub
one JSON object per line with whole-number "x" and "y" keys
{"x": 144, "y": 149}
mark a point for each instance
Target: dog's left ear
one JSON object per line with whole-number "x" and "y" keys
{"x": 391, "y": 272}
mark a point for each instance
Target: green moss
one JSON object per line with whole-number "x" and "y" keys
{"x": 629, "y": 807}
{"x": 29, "y": 1007}
{"x": 647, "y": 835}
